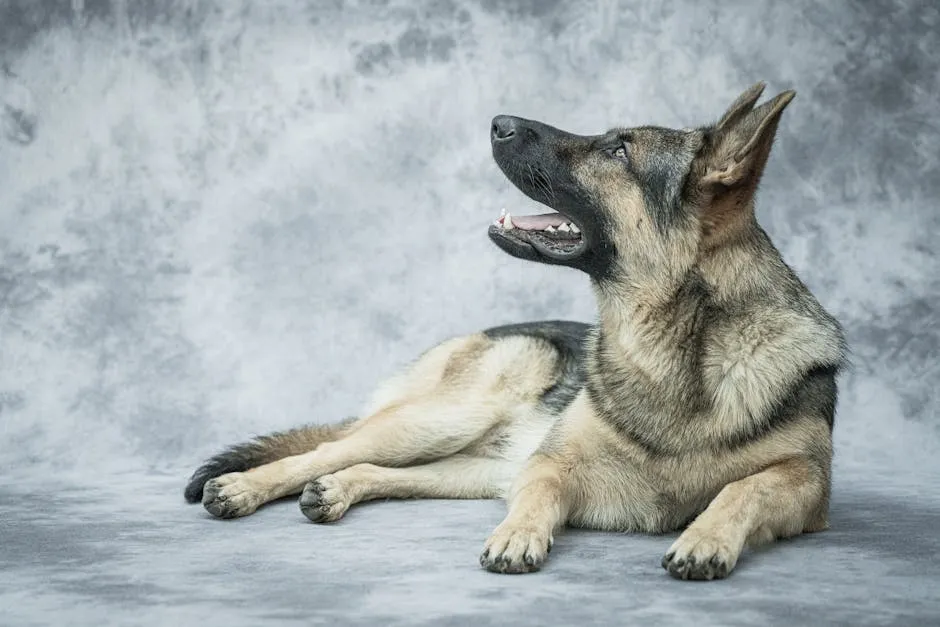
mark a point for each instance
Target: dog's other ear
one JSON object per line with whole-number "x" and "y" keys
{"x": 739, "y": 145}
{"x": 741, "y": 107}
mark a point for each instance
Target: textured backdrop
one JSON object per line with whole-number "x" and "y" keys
{"x": 220, "y": 218}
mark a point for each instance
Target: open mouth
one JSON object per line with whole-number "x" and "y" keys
{"x": 551, "y": 234}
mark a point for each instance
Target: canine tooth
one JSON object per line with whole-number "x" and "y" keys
{"x": 550, "y": 229}
{"x": 502, "y": 212}
{"x": 574, "y": 228}
{"x": 564, "y": 227}
{"x": 507, "y": 222}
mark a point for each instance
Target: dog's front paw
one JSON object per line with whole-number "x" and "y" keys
{"x": 324, "y": 500}
{"x": 701, "y": 555}
{"x": 514, "y": 550}
{"x": 231, "y": 496}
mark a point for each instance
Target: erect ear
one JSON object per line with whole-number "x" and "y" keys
{"x": 740, "y": 143}
{"x": 741, "y": 106}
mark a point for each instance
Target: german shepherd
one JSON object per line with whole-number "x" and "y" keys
{"x": 703, "y": 396}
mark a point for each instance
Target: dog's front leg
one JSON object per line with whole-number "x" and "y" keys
{"x": 781, "y": 501}
{"x": 538, "y": 504}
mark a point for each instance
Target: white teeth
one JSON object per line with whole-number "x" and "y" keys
{"x": 574, "y": 228}
{"x": 507, "y": 222}
{"x": 549, "y": 229}
{"x": 502, "y": 212}
{"x": 564, "y": 228}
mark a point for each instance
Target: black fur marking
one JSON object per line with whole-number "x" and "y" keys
{"x": 638, "y": 436}
{"x": 815, "y": 393}
{"x": 568, "y": 339}
{"x": 539, "y": 161}
{"x": 598, "y": 260}
{"x": 606, "y": 405}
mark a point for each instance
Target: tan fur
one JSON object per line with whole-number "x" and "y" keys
{"x": 421, "y": 415}
{"x": 653, "y": 264}
{"x": 455, "y": 477}
{"x": 586, "y": 476}
{"x": 750, "y": 511}
{"x": 465, "y": 419}
{"x": 614, "y": 485}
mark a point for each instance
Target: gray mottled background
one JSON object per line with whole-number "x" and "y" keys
{"x": 220, "y": 218}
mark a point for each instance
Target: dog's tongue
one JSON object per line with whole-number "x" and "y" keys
{"x": 537, "y": 223}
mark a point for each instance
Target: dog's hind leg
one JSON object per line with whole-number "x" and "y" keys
{"x": 457, "y": 477}
{"x": 263, "y": 450}
{"x": 448, "y": 401}
{"x": 401, "y": 435}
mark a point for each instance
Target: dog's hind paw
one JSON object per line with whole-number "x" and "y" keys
{"x": 515, "y": 551}
{"x": 324, "y": 500}
{"x": 231, "y": 496}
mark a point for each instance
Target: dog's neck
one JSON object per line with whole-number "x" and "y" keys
{"x": 651, "y": 321}
{"x": 743, "y": 265}
{"x": 643, "y": 325}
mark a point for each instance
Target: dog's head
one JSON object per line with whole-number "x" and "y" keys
{"x": 634, "y": 199}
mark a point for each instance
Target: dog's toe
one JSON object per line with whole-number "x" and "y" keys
{"x": 515, "y": 551}
{"x": 324, "y": 500}
{"x": 230, "y": 496}
{"x": 700, "y": 556}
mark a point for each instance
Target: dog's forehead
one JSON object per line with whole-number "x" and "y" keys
{"x": 659, "y": 136}
{"x": 653, "y": 144}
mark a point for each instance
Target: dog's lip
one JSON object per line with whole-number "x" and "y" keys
{"x": 580, "y": 247}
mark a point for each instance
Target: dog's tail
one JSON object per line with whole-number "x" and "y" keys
{"x": 263, "y": 450}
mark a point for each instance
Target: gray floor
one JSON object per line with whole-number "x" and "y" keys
{"x": 220, "y": 218}
{"x": 126, "y": 551}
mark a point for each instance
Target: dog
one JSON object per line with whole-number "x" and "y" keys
{"x": 702, "y": 398}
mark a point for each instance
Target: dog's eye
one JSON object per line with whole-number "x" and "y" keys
{"x": 620, "y": 152}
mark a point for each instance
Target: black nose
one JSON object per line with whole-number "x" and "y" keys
{"x": 504, "y": 127}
